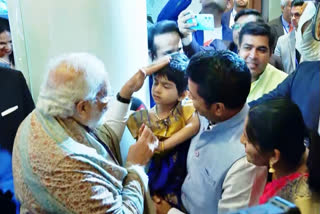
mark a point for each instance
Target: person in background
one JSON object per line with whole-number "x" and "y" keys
{"x": 190, "y": 46}
{"x": 274, "y": 137}
{"x": 228, "y": 17}
{"x": 256, "y": 44}
{"x": 66, "y": 155}
{"x": 173, "y": 121}
{"x": 6, "y": 50}
{"x": 286, "y": 45}
{"x": 164, "y": 38}
{"x": 16, "y": 103}
{"x": 282, "y": 24}
{"x": 301, "y": 87}
{"x": 308, "y": 47}
{"x": 214, "y": 7}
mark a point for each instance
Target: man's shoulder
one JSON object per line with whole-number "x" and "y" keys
{"x": 274, "y": 71}
{"x": 225, "y": 18}
{"x": 8, "y": 73}
{"x": 310, "y": 64}
{"x": 284, "y": 38}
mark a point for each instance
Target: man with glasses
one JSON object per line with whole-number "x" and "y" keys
{"x": 66, "y": 155}
{"x": 286, "y": 45}
{"x": 190, "y": 47}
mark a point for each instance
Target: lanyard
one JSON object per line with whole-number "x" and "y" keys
{"x": 284, "y": 27}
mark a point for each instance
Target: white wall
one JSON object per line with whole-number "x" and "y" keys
{"x": 113, "y": 30}
{"x": 274, "y": 9}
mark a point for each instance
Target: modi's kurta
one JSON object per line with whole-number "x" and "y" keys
{"x": 59, "y": 167}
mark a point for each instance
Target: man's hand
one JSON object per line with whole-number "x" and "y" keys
{"x": 162, "y": 206}
{"x": 183, "y": 26}
{"x": 141, "y": 152}
{"x": 137, "y": 80}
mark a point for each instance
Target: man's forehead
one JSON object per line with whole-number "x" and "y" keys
{"x": 296, "y": 9}
{"x": 256, "y": 40}
{"x": 247, "y": 18}
{"x": 167, "y": 43}
{"x": 173, "y": 35}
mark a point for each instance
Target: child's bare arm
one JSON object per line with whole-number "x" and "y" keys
{"x": 191, "y": 128}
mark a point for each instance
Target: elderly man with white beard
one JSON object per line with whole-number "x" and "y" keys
{"x": 66, "y": 156}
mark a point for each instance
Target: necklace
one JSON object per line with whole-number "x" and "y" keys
{"x": 157, "y": 116}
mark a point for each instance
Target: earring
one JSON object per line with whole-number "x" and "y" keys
{"x": 271, "y": 169}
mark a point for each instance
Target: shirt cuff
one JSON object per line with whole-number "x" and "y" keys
{"x": 139, "y": 170}
{"x": 187, "y": 41}
{"x": 175, "y": 211}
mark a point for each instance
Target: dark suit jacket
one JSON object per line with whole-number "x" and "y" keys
{"x": 277, "y": 28}
{"x": 14, "y": 94}
{"x": 303, "y": 88}
{"x": 225, "y": 19}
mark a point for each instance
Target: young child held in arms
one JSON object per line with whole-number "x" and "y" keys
{"x": 174, "y": 121}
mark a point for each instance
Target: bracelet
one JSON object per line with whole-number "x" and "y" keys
{"x": 162, "y": 146}
{"x": 122, "y": 99}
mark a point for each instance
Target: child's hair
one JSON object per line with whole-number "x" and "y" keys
{"x": 175, "y": 71}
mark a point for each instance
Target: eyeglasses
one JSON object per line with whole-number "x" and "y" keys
{"x": 236, "y": 26}
{"x": 104, "y": 99}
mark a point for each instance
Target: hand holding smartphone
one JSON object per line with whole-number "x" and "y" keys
{"x": 204, "y": 22}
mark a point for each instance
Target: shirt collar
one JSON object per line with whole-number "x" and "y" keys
{"x": 233, "y": 13}
{"x": 236, "y": 119}
{"x": 284, "y": 22}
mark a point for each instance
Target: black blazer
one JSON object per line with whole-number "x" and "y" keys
{"x": 16, "y": 103}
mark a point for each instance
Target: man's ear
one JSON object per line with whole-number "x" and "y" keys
{"x": 81, "y": 109}
{"x": 218, "y": 109}
{"x": 183, "y": 95}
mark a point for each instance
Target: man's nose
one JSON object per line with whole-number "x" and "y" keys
{"x": 253, "y": 53}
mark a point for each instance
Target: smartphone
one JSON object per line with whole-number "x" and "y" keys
{"x": 204, "y": 22}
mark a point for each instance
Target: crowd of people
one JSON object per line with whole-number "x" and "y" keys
{"x": 234, "y": 120}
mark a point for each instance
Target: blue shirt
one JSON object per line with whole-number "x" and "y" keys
{"x": 285, "y": 25}
{"x": 211, "y": 154}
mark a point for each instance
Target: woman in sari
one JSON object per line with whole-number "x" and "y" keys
{"x": 274, "y": 136}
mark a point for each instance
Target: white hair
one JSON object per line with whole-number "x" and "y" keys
{"x": 283, "y": 3}
{"x": 71, "y": 78}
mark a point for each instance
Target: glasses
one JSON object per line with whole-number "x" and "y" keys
{"x": 236, "y": 26}
{"x": 104, "y": 99}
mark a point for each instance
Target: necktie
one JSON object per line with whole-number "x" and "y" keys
{"x": 290, "y": 27}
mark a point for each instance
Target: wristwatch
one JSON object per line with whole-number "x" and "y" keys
{"x": 122, "y": 99}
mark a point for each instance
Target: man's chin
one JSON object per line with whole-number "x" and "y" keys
{"x": 92, "y": 124}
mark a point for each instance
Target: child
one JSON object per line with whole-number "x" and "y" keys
{"x": 174, "y": 121}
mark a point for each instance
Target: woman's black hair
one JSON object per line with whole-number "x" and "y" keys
{"x": 313, "y": 163}
{"x": 4, "y": 26}
{"x": 278, "y": 124}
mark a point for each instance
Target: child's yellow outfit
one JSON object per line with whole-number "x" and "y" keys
{"x": 167, "y": 169}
